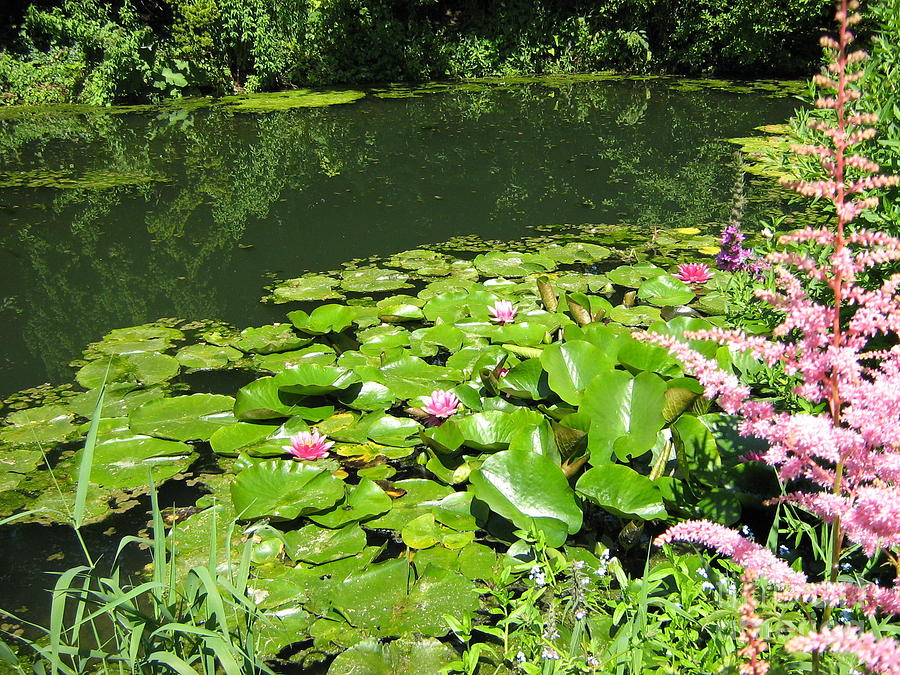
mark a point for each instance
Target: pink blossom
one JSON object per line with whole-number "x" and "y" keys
{"x": 441, "y": 404}
{"x": 309, "y": 445}
{"x": 503, "y": 312}
{"x": 693, "y": 273}
{"x": 880, "y": 656}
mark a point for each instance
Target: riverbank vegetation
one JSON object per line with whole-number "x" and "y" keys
{"x": 90, "y": 51}
{"x": 501, "y": 463}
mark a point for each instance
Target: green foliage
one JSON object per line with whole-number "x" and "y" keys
{"x": 95, "y": 52}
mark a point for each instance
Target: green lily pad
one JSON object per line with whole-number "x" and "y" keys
{"x": 367, "y": 396}
{"x": 421, "y": 497}
{"x": 526, "y": 380}
{"x": 400, "y": 657}
{"x": 228, "y": 439}
{"x": 512, "y": 264}
{"x": 374, "y": 341}
{"x": 183, "y": 418}
{"x": 324, "y": 319}
{"x": 374, "y": 280}
{"x": 269, "y": 339}
{"x": 46, "y": 424}
{"x": 284, "y": 489}
{"x": 529, "y": 490}
{"x": 121, "y": 462}
{"x": 576, "y": 252}
{"x": 622, "y": 491}
{"x": 363, "y": 502}
{"x": 306, "y": 289}
{"x": 664, "y": 289}
{"x": 632, "y": 276}
{"x": 388, "y": 602}
{"x": 119, "y": 399}
{"x": 207, "y": 357}
{"x": 317, "y": 545}
{"x": 315, "y": 354}
{"x": 145, "y": 367}
{"x": 641, "y": 315}
{"x": 312, "y": 380}
{"x": 571, "y": 366}
{"x": 288, "y": 100}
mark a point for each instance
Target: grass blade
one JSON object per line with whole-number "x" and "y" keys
{"x": 87, "y": 460}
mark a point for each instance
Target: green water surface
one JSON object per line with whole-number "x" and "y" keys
{"x": 116, "y": 218}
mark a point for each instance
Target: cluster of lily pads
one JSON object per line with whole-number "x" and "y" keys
{"x": 387, "y": 452}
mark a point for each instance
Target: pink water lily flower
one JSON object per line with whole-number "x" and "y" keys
{"x": 694, "y": 273}
{"x": 309, "y": 445}
{"x": 503, "y": 312}
{"x": 441, "y": 404}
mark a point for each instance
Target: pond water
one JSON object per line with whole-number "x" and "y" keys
{"x": 111, "y": 219}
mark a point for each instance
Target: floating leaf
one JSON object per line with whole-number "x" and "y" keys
{"x": 207, "y": 357}
{"x": 46, "y": 424}
{"x": 364, "y": 501}
{"x": 529, "y": 490}
{"x": 269, "y": 339}
{"x": 664, "y": 289}
{"x": 317, "y": 545}
{"x": 305, "y": 289}
{"x": 284, "y": 489}
{"x": 622, "y": 491}
{"x": 399, "y": 657}
{"x": 374, "y": 280}
{"x": 571, "y": 366}
{"x": 512, "y": 264}
{"x": 324, "y": 319}
{"x": 420, "y": 497}
{"x": 183, "y": 418}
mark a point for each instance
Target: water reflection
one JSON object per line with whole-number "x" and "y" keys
{"x": 200, "y": 208}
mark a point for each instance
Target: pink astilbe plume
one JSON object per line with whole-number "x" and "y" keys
{"x": 751, "y": 622}
{"x": 848, "y": 457}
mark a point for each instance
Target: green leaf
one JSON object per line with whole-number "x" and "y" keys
{"x": 324, "y": 319}
{"x": 317, "y": 545}
{"x": 528, "y": 489}
{"x": 365, "y": 501}
{"x": 625, "y": 414}
{"x": 405, "y": 656}
{"x": 696, "y": 450}
{"x": 313, "y": 380}
{"x": 183, "y": 418}
{"x": 420, "y": 532}
{"x": 512, "y": 264}
{"x": 374, "y": 280}
{"x": 207, "y": 357}
{"x": 527, "y": 380}
{"x": 622, "y": 491}
{"x": 284, "y": 489}
{"x": 269, "y": 339}
{"x": 421, "y": 497}
{"x": 262, "y": 400}
{"x": 387, "y": 602}
{"x": 665, "y": 290}
{"x": 305, "y": 289}
{"x": 229, "y": 439}
{"x": 45, "y": 424}
{"x": 571, "y": 367}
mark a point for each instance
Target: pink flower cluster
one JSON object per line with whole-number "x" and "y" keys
{"x": 852, "y": 450}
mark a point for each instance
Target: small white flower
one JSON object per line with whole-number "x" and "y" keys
{"x": 703, "y": 573}
{"x": 537, "y": 576}
{"x": 550, "y": 653}
{"x": 592, "y": 662}
{"x": 707, "y": 586}
{"x": 580, "y": 614}
{"x": 783, "y": 550}
{"x": 520, "y": 657}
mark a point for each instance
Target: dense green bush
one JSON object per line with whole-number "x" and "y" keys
{"x": 99, "y": 52}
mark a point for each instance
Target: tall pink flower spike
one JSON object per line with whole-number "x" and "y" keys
{"x": 851, "y": 451}
{"x": 441, "y": 404}
{"x": 309, "y": 445}
{"x": 503, "y": 312}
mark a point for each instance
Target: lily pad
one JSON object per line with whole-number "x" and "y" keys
{"x": 363, "y": 502}
{"x": 207, "y": 357}
{"x": 284, "y": 489}
{"x": 317, "y": 545}
{"x": 512, "y": 264}
{"x": 324, "y": 319}
{"x": 183, "y": 418}
{"x": 420, "y": 497}
{"x": 399, "y": 657}
{"x": 269, "y": 339}
{"x": 45, "y": 424}
{"x": 664, "y": 289}
{"x": 374, "y": 280}
{"x": 306, "y": 289}
{"x": 623, "y": 492}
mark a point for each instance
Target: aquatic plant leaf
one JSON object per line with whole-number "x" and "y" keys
{"x": 407, "y": 376}
{"x": 632, "y": 276}
{"x": 571, "y": 366}
{"x": 374, "y": 280}
{"x": 121, "y": 462}
{"x": 269, "y": 339}
{"x": 367, "y": 396}
{"x": 512, "y": 264}
{"x": 229, "y": 439}
{"x": 400, "y": 313}
{"x": 526, "y": 380}
{"x": 427, "y": 341}
{"x": 146, "y": 338}
{"x": 118, "y": 400}
{"x": 421, "y": 497}
{"x": 696, "y": 451}
{"x": 288, "y": 100}
{"x": 183, "y": 418}
{"x": 363, "y": 502}
{"x": 539, "y": 438}
{"x": 718, "y": 504}
{"x": 145, "y": 367}
{"x": 324, "y": 319}
{"x": 385, "y": 601}
{"x": 389, "y": 430}
{"x": 45, "y": 424}
{"x": 641, "y": 315}
{"x": 207, "y": 357}
{"x": 374, "y": 341}
{"x": 637, "y": 355}
{"x": 14, "y": 464}
{"x": 420, "y": 532}
{"x": 315, "y": 354}
{"x": 575, "y": 252}
{"x": 529, "y": 490}
{"x": 449, "y": 306}
{"x": 306, "y": 289}
{"x": 664, "y": 289}
{"x": 405, "y": 656}
{"x": 317, "y": 545}
{"x": 523, "y": 333}
{"x": 622, "y": 491}
{"x": 308, "y": 379}
{"x": 262, "y": 400}
{"x": 284, "y": 489}
{"x": 625, "y": 414}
